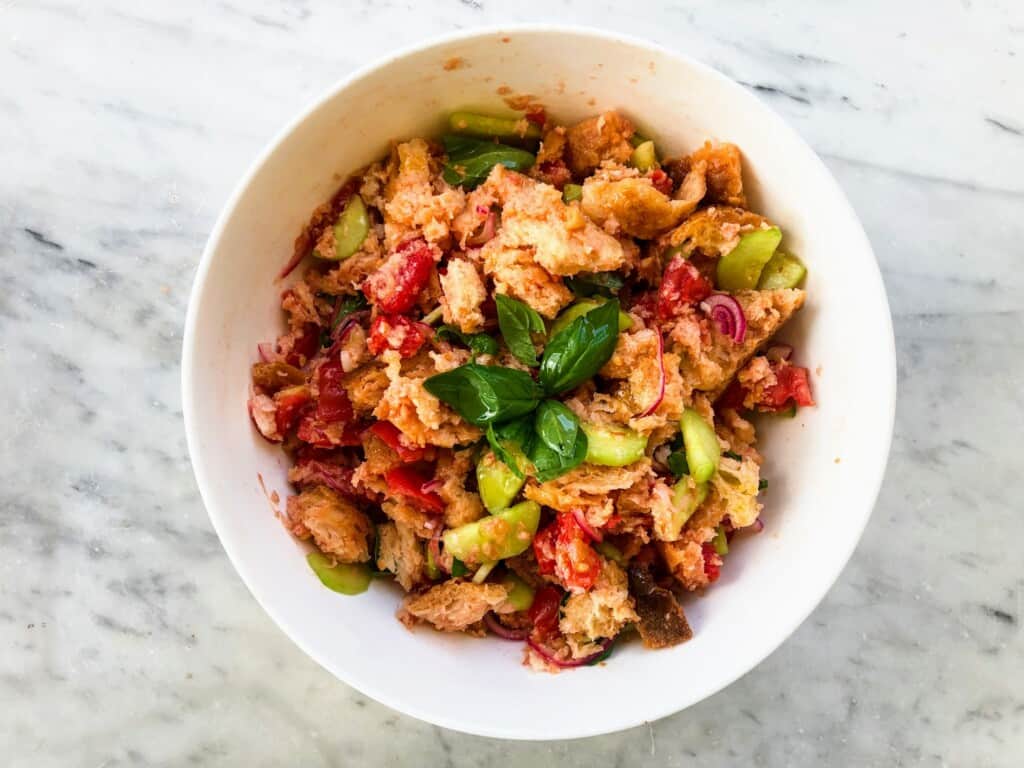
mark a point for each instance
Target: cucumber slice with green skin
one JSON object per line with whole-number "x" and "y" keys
{"x": 644, "y": 157}
{"x": 484, "y": 571}
{"x": 346, "y": 578}
{"x": 580, "y": 308}
{"x": 686, "y": 498}
{"x": 350, "y": 230}
{"x": 610, "y": 551}
{"x": 520, "y": 594}
{"x": 487, "y": 127}
{"x": 783, "y": 270}
{"x": 613, "y": 446}
{"x": 504, "y": 534}
{"x": 701, "y": 443}
{"x": 433, "y": 572}
{"x": 572, "y": 192}
{"x": 496, "y": 483}
{"x": 741, "y": 267}
{"x": 720, "y": 542}
{"x": 636, "y": 140}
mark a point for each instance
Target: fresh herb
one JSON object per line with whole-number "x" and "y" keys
{"x": 557, "y": 427}
{"x": 732, "y": 455}
{"x": 578, "y": 352}
{"x": 517, "y": 321}
{"x": 478, "y": 343}
{"x": 548, "y": 464}
{"x": 343, "y": 307}
{"x": 677, "y": 463}
{"x": 471, "y": 160}
{"x": 762, "y": 484}
{"x": 512, "y": 441}
{"x": 587, "y": 284}
{"x": 485, "y": 394}
{"x": 458, "y": 567}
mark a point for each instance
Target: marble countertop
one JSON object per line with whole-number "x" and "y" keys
{"x": 128, "y": 640}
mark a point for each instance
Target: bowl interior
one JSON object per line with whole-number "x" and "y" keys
{"x": 824, "y": 467}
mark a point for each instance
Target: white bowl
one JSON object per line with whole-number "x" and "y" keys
{"x": 825, "y": 467}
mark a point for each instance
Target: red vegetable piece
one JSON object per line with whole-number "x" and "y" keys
{"x": 317, "y": 433}
{"x": 305, "y": 346}
{"x": 332, "y": 403}
{"x": 309, "y": 472}
{"x": 409, "y": 483}
{"x": 396, "y": 285}
{"x": 544, "y": 610}
{"x": 712, "y": 562}
{"x": 793, "y": 385}
{"x": 681, "y": 286}
{"x": 289, "y": 403}
{"x": 732, "y": 397}
{"x": 536, "y": 115}
{"x": 398, "y": 333}
{"x": 563, "y": 549}
{"x": 395, "y": 440}
{"x": 661, "y": 181}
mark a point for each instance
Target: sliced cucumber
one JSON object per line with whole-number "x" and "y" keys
{"x": 504, "y": 534}
{"x": 644, "y": 157}
{"x": 520, "y": 594}
{"x": 496, "y": 483}
{"x": 783, "y": 270}
{"x": 580, "y": 308}
{"x": 613, "y": 446}
{"x": 346, "y": 578}
{"x": 701, "y": 443}
{"x": 740, "y": 268}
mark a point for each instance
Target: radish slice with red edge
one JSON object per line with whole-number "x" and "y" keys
{"x": 502, "y": 631}
{"x": 661, "y": 379}
{"x": 727, "y": 314}
{"x": 588, "y": 529}
{"x": 549, "y": 657}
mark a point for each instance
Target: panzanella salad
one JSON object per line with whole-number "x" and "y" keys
{"x": 518, "y": 375}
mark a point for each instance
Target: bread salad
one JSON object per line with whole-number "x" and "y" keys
{"x": 518, "y": 379}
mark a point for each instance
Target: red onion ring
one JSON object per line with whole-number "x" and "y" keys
{"x": 549, "y": 657}
{"x": 779, "y": 352}
{"x": 502, "y": 631}
{"x": 267, "y": 351}
{"x": 588, "y": 529}
{"x": 435, "y": 550}
{"x": 432, "y": 486}
{"x": 727, "y": 314}
{"x": 661, "y": 383}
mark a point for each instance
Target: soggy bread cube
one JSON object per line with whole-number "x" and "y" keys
{"x": 400, "y": 552}
{"x": 464, "y": 293}
{"x": 599, "y": 613}
{"x": 596, "y": 139}
{"x": 454, "y": 605}
{"x": 632, "y": 206}
{"x": 516, "y": 274}
{"x": 338, "y": 528}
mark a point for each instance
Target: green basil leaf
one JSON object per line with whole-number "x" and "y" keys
{"x": 482, "y": 394}
{"x": 479, "y": 343}
{"x": 517, "y": 321}
{"x": 548, "y": 464}
{"x": 512, "y": 442}
{"x": 557, "y": 427}
{"x": 586, "y": 284}
{"x": 458, "y": 567}
{"x": 677, "y": 463}
{"x": 575, "y": 354}
{"x": 471, "y": 160}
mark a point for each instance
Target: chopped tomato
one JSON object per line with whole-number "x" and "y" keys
{"x": 555, "y": 173}
{"x": 409, "y": 483}
{"x": 395, "y": 440}
{"x": 332, "y": 402}
{"x": 792, "y": 386}
{"x": 536, "y": 115}
{"x": 289, "y": 403}
{"x": 712, "y": 562}
{"x": 661, "y": 181}
{"x": 563, "y": 549}
{"x": 396, "y": 285}
{"x": 398, "y": 333}
{"x": 305, "y": 346}
{"x": 681, "y": 285}
{"x": 544, "y": 610}
{"x": 732, "y": 397}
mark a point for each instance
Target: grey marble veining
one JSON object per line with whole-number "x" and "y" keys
{"x": 127, "y": 639}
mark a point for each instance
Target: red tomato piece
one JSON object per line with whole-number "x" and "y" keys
{"x": 409, "y": 483}
{"x": 396, "y": 285}
{"x": 544, "y": 548}
{"x": 289, "y": 403}
{"x": 332, "y": 402}
{"x": 681, "y": 285}
{"x": 323, "y": 435}
{"x": 661, "y": 181}
{"x": 563, "y": 549}
{"x": 732, "y": 397}
{"x": 305, "y": 346}
{"x": 544, "y": 610}
{"x": 398, "y": 333}
{"x": 712, "y": 562}
{"x": 395, "y": 440}
{"x": 792, "y": 385}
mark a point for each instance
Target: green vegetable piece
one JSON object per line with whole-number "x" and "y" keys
{"x": 496, "y": 482}
{"x": 732, "y": 455}
{"x": 610, "y": 551}
{"x": 741, "y": 267}
{"x": 613, "y": 446}
{"x": 471, "y": 160}
{"x": 762, "y": 484}
{"x": 504, "y": 534}
{"x": 482, "y": 394}
{"x": 644, "y": 157}
{"x": 549, "y": 464}
{"x": 677, "y": 464}
{"x": 586, "y": 284}
{"x": 572, "y": 192}
{"x": 636, "y": 140}
{"x": 557, "y": 427}
{"x": 720, "y": 542}
{"x": 458, "y": 567}
{"x": 520, "y": 594}
{"x": 687, "y": 496}
{"x": 517, "y": 322}
{"x": 479, "y": 343}
{"x": 783, "y": 270}
{"x": 512, "y": 441}
{"x": 488, "y": 127}
{"x": 433, "y": 571}
{"x": 702, "y": 448}
{"x": 346, "y": 578}
{"x": 580, "y": 308}
{"x": 351, "y": 228}
{"x": 576, "y": 353}
{"x": 484, "y": 571}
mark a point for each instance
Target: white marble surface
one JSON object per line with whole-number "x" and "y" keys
{"x": 125, "y": 637}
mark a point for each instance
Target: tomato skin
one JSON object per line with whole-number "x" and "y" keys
{"x": 793, "y": 385}
{"x": 396, "y": 285}
{"x": 398, "y": 333}
{"x": 395, "y": 440}
{"x": 682, "y": 285}
{"x": 661, "y": 181}
{"x": 408, "y": 482}
{"x": 289, "y": 403}
{"x": 544, "y": 610}
{"x": 332, "y": 401}
{"x": 563, "y": 550}
{"x": 712, "y": 562}
{"x": 305, "y": 346}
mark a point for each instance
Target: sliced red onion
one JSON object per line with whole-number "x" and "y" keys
{"x": 757, "y": 525}
{"x": 293, "y": 262}
{"x": 502, "y": 631}
{"x": 267, "y": 351}
{"x": 779, "y": 352}
{"x": 661, "y": 377}
{"x": 486, "y": 232}
{"x": 549, "y": 657}
{"x": 435, "y": 550}
{"x": 588, "y": 529}
{"x": 432, "y": 486}
{"x": 727, "y": 314}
